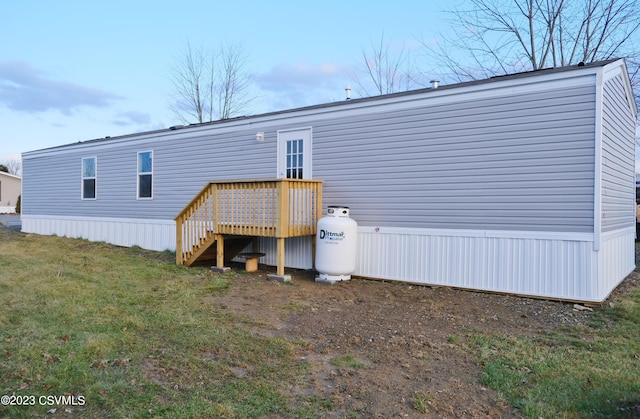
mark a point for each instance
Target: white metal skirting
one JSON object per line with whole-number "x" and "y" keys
{"x": 297, "y": 252}
{"x": 157, "y": 235}
{"x": 561, "y": 266}
{"x": 550, "y": 265}
{"x": 616, "y": 259}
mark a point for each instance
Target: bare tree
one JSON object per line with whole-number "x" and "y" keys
{"x": 503, "y": 36}
{"x": 383, "y": 69}
{"x": 12, "y": 166}
{"x": 210, "y": 85}
{"x": 233, "y": 87}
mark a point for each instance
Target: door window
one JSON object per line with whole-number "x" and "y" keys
{"x": 294, "y": 154}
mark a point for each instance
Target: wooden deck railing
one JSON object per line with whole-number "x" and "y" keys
{"x": 277, "y": 208}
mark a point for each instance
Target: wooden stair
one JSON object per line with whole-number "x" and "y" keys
{"x": 207, "y": 251}
{"x": 209, "y": 227}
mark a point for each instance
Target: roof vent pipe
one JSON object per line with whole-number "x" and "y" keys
{"x": 434, "y": 84}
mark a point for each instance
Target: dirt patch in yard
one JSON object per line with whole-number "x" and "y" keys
{"x": 390, "y": 349}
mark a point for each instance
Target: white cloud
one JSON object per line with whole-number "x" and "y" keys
{"x": 27, "y": 89}
{"x": 288, "y": 86}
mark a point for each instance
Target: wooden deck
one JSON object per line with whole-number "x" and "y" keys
{"x": 279, "y": 208}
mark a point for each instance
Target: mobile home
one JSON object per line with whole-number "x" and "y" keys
{"x": 520, "y": 184}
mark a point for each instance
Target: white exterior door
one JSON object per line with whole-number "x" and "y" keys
{"x": 294, "y": 154}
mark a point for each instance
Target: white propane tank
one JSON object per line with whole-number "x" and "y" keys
{"x": 336, "y": 245}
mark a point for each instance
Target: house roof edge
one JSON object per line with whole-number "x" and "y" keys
{"x": 351, "y": 102}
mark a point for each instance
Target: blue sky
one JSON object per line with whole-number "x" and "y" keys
{"x": 77, "y": 70}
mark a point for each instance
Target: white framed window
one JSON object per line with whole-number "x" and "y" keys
{"x": 89, "y": 177}
{"x": 294, "y": 154}
{"x": 145, "y": 175}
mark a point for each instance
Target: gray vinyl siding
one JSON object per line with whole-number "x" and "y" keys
{"x": 618, "y": 154}
{"x": 507, "y": 163}
{"x": 181, "y": 167}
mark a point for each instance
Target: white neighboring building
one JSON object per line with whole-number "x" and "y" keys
{"x": 10, "y": 190}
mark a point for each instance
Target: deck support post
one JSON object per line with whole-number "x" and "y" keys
{"x": 220, "y": 255}
{"x": 280, "y": 276}
{"x": 313, "y": 252}
{"x": 179, "y": 260}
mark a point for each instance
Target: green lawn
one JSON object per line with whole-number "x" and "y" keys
{"x": 130, "y": 334}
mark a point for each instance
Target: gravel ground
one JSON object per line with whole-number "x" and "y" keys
{"x": 410, "y": 339}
